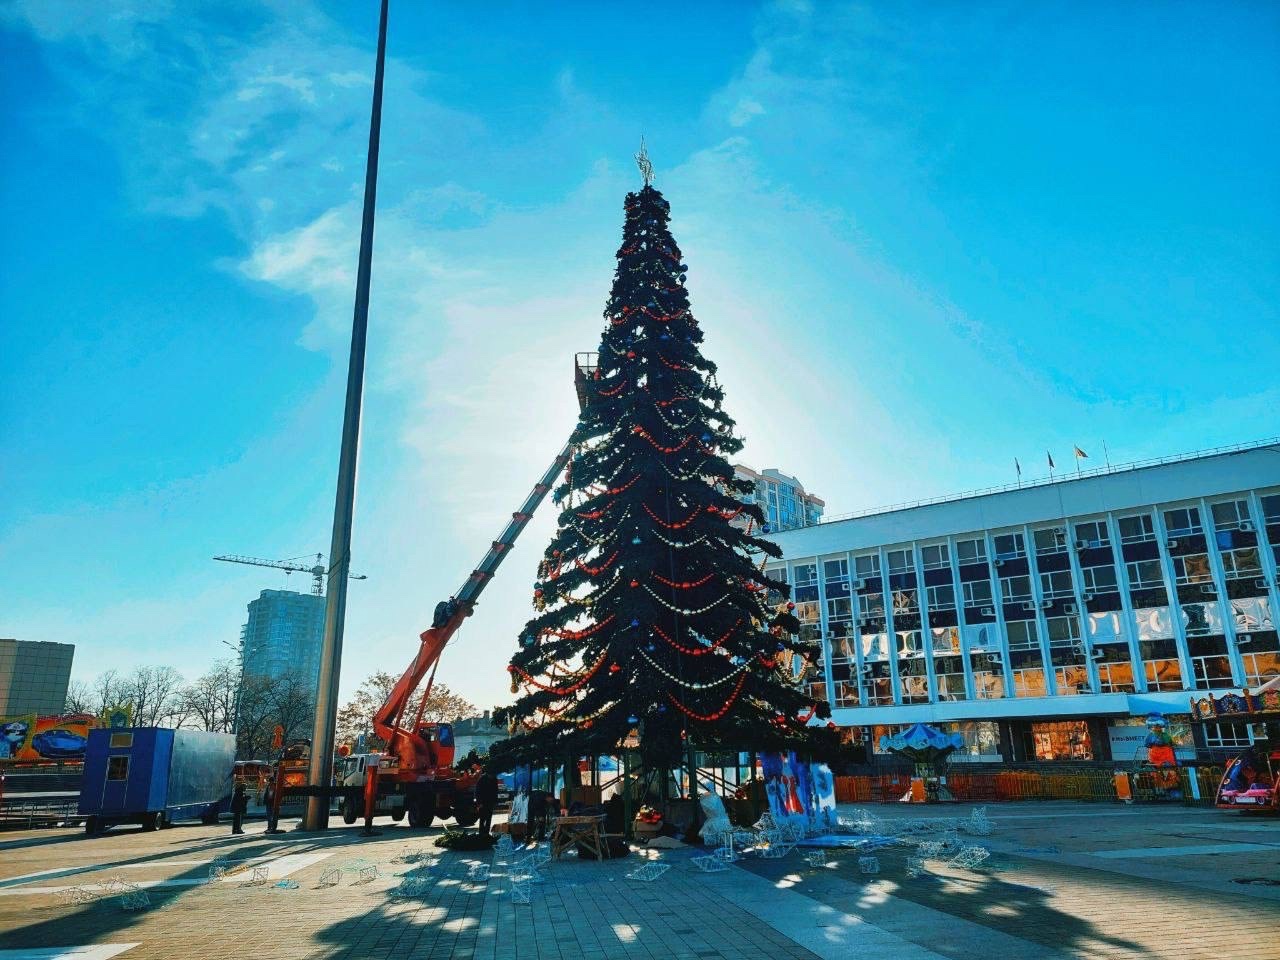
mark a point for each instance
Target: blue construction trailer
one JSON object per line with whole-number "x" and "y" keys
{"x": 155, "y": 776}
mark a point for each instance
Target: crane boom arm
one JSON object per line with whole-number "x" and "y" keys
{"x": 386, "y": 722}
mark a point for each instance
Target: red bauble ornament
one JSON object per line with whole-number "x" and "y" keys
{"x": 511, "y": 668}
{"x": 790, "y": 605}
{"x": 555, "y": 553}
{"x": 537, "y": 593}
{"x": 614, "y": 668}
{"x": 631, "y": 354}
{"x": 635, "y": 583}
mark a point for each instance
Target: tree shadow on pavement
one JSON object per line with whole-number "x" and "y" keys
{"x": 891, "y": 899}
{"x": 51, "y": 923}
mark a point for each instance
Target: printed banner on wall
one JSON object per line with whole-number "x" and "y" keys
{"x": 61, "y": 737}
{"x": 15, "y": 735}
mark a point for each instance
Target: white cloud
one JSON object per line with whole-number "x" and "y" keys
{"x": 745, "y": 110}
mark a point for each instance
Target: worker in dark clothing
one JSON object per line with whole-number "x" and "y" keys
{"x": 486, "y": 799}
{"x": 239, "y": 806}
{"x": 537, "y": 815}
{"x": 273, "y": 813}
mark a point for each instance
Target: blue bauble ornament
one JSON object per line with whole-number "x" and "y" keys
{"x": 662, "y": 708}
{"x": 706, "y": 437}
{"x": 635, "y": 623}
{"x": 635, "y": 541}
{"x": 782, "y": 646}
{"x": 651, "y": 648}
{"x": 633, "y": 719}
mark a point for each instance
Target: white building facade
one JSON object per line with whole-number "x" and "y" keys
{"x": 1040, "y": 621}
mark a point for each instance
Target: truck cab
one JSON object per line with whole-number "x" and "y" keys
{"x": 351, "y": 772}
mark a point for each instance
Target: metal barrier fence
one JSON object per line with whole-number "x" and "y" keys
{"x": 21, "y": 814}
{"x": 1089, "y": 785}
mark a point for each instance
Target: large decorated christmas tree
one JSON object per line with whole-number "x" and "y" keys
{"x": 653, "y": 612}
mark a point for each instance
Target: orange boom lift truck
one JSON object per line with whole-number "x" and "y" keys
{"x": 418, "y": 761}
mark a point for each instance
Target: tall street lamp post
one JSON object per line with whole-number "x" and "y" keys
{"x": 320, "y": 773}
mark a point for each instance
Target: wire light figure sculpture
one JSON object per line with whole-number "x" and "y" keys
{"x": 642, "y": 161}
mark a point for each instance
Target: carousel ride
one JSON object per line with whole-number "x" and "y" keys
{"x": 1252, "y": 779}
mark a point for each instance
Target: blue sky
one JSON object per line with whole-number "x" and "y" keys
{"x": 924, "y": 239}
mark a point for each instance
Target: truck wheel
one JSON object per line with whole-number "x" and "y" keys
{"x": 150, "y": 821}
{"x": 397, "y": 815}
{"x": 420, "y": 814}
{"x": 210, "y": 818}
{"x": 92, "y": 826}
{"x": 348, "y": 811}
{"x": 466, "y": 817}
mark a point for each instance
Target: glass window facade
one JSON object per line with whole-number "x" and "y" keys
{"x": 1166, "y": 598}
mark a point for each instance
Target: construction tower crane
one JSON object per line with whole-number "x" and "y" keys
{"x": 318, "y": 570}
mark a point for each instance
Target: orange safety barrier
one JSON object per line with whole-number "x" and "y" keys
{"x": 1090, "y": 785}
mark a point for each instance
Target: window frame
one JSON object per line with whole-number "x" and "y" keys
{"x": 1138, "y": 583}
{"x": 971, "y": 604}
{"x": 1101, "y": 538}
{"x": 1030, "y": 635}
{"x": 1146, "y": 523}
{"x": 1195, "y": 526}
{"x": 1006, "y": 589}
{"x": 842, "y": 568}
{"x": 811, "y": 582}
{"x": 931, "y": 597}
{"x": 979, "y": 545}
{"x": 1087, "y": 577}
{"x": 1266, "y": 504}
{"x": 1050, "y": 592}
{"x": 1231, "y": 566}
{"x": 1019, "y": 544}
{"x": 906, "y": 552}
{"x": 943, "y": 560}
{"x": 1240, "y": 508}
{"x": 1059, "y": 544}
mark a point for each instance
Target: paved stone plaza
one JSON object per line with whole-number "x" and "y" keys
{"x": 1064, "y": 880}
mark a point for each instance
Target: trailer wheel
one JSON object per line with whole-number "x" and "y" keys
{"x": 92, "y": 826}
{"x": 347, "y": 810}
{"x": 466, "y": 817}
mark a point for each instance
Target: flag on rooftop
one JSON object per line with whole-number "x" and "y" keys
{"x": 1050, "y": 456}
{"x": 1080, "y": 454}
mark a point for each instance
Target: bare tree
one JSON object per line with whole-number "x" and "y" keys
{"x": 356, "y": 716}
{"x": 210, "y": 700}
{"x": 267, "y": 702}
{"x": 107, "y": 690}
{"x": 156, "y": 695}
{"x": 81, "y": 699}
